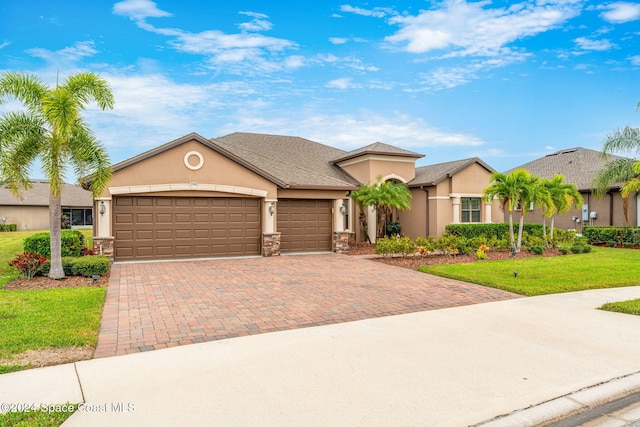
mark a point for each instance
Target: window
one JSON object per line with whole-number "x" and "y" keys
{"x": 470, "y": 209}
{"x": 77, "y": 216}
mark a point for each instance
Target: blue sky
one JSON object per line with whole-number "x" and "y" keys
{"x": 505, "y": 81}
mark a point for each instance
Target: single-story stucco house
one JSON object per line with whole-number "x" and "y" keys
{"x": 30, "y": 211}
{"x": 580, "y": 166}
{"x": 252, "y": 194}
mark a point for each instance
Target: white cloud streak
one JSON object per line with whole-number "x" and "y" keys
{"x": 620, "y": 12}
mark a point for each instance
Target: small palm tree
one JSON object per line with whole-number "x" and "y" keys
{"x": 510, "y": 190}
{"x": 384, "y": 196}
{"x": 563, "y": 195}
{"x": 52, "y": 130}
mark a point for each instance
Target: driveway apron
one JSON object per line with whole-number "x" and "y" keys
{"x": 158, "y": 305}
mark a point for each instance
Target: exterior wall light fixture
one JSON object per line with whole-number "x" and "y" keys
{"x": 102, "y": 208}
{"x": 272, "y": 208}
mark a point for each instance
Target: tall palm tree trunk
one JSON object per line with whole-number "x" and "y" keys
{"x": 511, "y": 234}
{"x": 55, "y": 213}
{"x": 520, "y": 227}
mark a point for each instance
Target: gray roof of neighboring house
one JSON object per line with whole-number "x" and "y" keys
{"x": 38, "y": 195}
{"x": 434, "y": 174}
{"x": 295, "y": 161}
{"x": 578, "y": 165}
{"x": 377, "y": 148}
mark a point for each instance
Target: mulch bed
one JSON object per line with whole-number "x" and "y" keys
{"x": 413, "y": 262}
{"x": 43, "y": 282}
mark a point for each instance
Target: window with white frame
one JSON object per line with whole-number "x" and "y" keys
{"x": 470, "y": 211}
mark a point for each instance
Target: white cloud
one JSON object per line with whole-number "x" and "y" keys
{"x": 246, "y": 51}
{"x": 342, "y": 83}
{"x": 356, "y": 130}
{"x": 70, "y": 53}
{"x": 139, "y": 9}
{"x": 620, "y": 12}
{"x": 635, "y": 60}
{"x": 471, "y": 29}
{"x": 4, "y": 44}
{"x": 376, "y": 12}
{"x": 258, "y": 23}
{"x": 338, "y": 40}
{"x": 589, "y": 44}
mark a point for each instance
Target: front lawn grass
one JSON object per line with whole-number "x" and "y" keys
{"x": 41, "y": 319}
{"x": 631, "y": 306}
{"x": 601, "y": 268}
{"x": 52, "y": 417}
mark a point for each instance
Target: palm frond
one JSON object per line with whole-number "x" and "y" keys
{"x": 87, "y": 87}
{"x": 624, "y": 140}
{"x": 613, "y": 173}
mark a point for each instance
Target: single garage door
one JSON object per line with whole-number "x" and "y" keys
{"x": 305, "y": 225}
{"x": 185, "y": 227}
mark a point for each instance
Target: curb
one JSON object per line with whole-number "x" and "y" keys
{"x": 563, "y": 406}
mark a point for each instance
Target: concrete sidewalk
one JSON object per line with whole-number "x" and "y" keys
{"x": 451, "y": 367}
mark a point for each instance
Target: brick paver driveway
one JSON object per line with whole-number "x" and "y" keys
{"x": 165, "y": 304}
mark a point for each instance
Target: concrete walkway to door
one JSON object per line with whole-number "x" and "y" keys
{"x": 157, "y": 305}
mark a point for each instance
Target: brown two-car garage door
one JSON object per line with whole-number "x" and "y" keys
{"x": 305, "y": 225}
{"x": 185, "y": 227}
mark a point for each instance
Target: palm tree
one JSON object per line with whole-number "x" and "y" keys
{"x": 510, "y": 190}
{"x": 624, "y": 170}
{"x": 534, "y": 195}
{"x": 52, "y": 130}
{"x": 384, "y": 196}
{"x": 563, "y": 195}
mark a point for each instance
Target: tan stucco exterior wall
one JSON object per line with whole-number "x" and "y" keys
{"x": 26, "y": 217}
{"x": 169, "y": 167}
{"x": 368, "y": 169}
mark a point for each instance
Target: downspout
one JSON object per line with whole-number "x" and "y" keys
{"x": 426, "y": 210}
{"x": 610, "y": 208}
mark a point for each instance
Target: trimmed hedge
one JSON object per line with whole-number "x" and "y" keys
{"x": 612, "y": 235}
{"x": 86, "y": 266}
{"x": 491, "y": 230}
{"x": 8, "y": 227}
{"x": 72, "y": 242}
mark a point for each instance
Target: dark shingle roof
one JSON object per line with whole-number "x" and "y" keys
{"x": 38, "y": 195}
{"x": 434, "y": 174}
{"x": 377, "y": 148}
{"x": 298, "y": 162}
{"x": 578, "y": 165}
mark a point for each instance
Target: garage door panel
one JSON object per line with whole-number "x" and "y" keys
{"x": 173, "y": 227}
{"x": 305, "y": 225}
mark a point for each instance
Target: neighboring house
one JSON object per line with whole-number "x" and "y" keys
{"x": 579, "y": 166}
{"x": 30, "y": 211}
{"x": 251, "y": 194}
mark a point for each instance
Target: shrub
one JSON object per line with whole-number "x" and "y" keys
{"x": 580, "y": 247}
{"x": 611, "y": 243}
{"x": 491, "y": 230}
{"x": 28, "y": 263}
{"x": 82, "y": 266}
{"x": 428, "y": 243}
{"x": 563, "y": 250}
{"x": 72, "y": 242}
{"x": 599, "y": 235}
{"x": 90, "y": 266}
{"x": 395, "y": 245}
{"x": 393, "y": 229}
{"x": 481, "y": 254}
{"x": 537, "y": 249}
{"x": 8, "y": 227}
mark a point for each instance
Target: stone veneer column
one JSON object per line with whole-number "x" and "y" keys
{"x": 104, "y": 246}
{"x": 271, "y": 244}
{"x": 341, "y": 240}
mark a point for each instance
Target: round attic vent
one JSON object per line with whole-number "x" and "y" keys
{"x": 188, "y": 164}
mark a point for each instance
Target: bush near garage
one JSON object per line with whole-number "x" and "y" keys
{"x": 87, "y": 266}
{"x": 72, "y": 242}
{"x": 612, "y": 236}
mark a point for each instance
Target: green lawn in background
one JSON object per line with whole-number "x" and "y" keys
{"x": 601, "y": 268}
